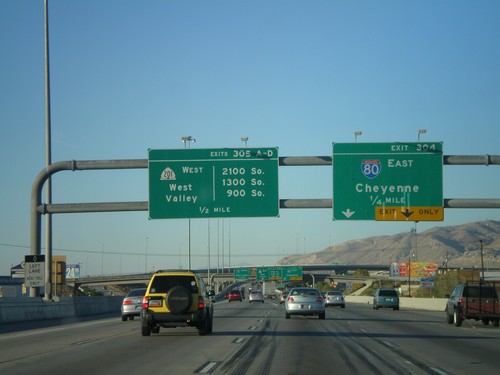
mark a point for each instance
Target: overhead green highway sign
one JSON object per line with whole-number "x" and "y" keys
{"x": 285, "y": 273}
{"x": 388, "y": 181}
{"x": 241, "y": 273}
{"x": 262, "y": 273}
{"x": 274, "y": 273}
{"x": 205, "y": 183}
{"x": 291, "y": 273}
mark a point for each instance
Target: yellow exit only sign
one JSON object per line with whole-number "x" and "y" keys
{"x": 412, "y": 213}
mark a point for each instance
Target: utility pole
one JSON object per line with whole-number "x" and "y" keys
{"x": 482, "y": 261}
{"x": 409, "y": 276}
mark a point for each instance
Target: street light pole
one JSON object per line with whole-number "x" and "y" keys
{"x": 102, "y": 260}
{"x": 420, "y": 131}
{"x": 223, "y": 268}
{"x": 356, "y": 133}
{"x": 188, "y": 139}
{"x": 208, "y": 268}
{"x": 146, "y": 262}
{"x": 482, "y": 261}
{"x": 218, "y": 245}
{"x": 409, "y": 275}
{"x": 414, "y": 230}
{"x": 229, "y": 249}
{"x": 189, "y": 244}
{"x": 48, "y": 162}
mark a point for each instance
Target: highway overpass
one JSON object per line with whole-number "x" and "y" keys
{"x": 320, "y": 269}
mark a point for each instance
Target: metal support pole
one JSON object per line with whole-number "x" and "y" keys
{"x": 409, "y": 276}
{"x": 48, "y": 162}
{"x": 482, "y": 261}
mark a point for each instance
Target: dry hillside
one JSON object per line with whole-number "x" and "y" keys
{"x": 458, "y": 245}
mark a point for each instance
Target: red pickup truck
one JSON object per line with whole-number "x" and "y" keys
{"x": 474, "y": 300}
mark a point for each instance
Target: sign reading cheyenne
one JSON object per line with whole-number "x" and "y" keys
{"x": 388, "y": 181}
{"x": 204, "y": 183}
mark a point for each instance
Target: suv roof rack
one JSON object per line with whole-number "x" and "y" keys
{"x": 174, "y": 270}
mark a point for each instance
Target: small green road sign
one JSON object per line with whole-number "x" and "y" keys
{"x": 205, "y": 183}
{"x": 388, "y": 181}
{"x": 274, "y": 273}
{"x": 262, "y": 273}
{"x": 285, "y": 273}
{"x": 291, "y": 273}
{"x": 268, "y": 273}
{"x": 241, "y": 273}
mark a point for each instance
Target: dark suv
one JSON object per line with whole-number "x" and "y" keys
{"x": 176, "y": 299}
{"x": 473, "y": 300}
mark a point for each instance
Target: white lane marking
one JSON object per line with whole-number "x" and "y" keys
{"x": 389, "y": 344}
{"x": 208, "y": 368}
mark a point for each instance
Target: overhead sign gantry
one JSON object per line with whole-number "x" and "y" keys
{"x": 388, "y": 181}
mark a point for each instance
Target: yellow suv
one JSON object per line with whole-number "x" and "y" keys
{"x": 176, "y": 299}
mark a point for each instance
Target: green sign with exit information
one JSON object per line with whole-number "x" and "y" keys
{"x": 241, "y": 273}
{"x": 285, "y": 273}
{"x": 388, "y": 181}
{"x": 206, "y": 183}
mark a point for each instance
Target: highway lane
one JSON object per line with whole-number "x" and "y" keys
{"x": 257, "y": 339}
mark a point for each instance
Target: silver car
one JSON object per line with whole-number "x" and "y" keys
{"x": 256, "y": 296}
{"x": 334, "y": 298}
{"x": 304, "y": 301}
{"x": 132, "y": 304}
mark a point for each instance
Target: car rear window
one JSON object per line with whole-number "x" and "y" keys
{"x": 162, "y": 284}
{"x": 309, "y": 292}
{"x": 388, "y": 293}
{"x": 136, "y": 292}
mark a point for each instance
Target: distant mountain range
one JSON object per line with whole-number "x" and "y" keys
{"x": 458, "y": 246}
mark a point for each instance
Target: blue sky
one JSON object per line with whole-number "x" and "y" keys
{"x": 127, "y": 76}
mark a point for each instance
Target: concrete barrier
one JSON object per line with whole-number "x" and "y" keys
{"x": 433, "y": 304}
{"x": 20, "y": 309}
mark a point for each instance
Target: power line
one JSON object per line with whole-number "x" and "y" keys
{"x": 134, "y": 253}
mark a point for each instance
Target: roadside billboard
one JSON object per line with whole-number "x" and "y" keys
{"x": 413, "y": 270}
{"x": 18, "y": 272}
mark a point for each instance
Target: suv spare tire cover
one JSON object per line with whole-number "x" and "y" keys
{"x": 179, "y": 300}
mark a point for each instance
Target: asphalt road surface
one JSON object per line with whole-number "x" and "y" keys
{"x": 257, "y": 339}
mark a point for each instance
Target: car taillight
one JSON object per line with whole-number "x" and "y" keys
{"x": 319, "y": 299}
{"x": 201, "y": 303}
{"x": 127, "y": 302}
{"x": 290, "y": 299}
{"x": 328, "y": 298}
{"x": 460, "y": 301}
{"x": 145, "y": 302}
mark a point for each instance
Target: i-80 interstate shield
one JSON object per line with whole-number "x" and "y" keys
{"x": 371, "y": 168}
